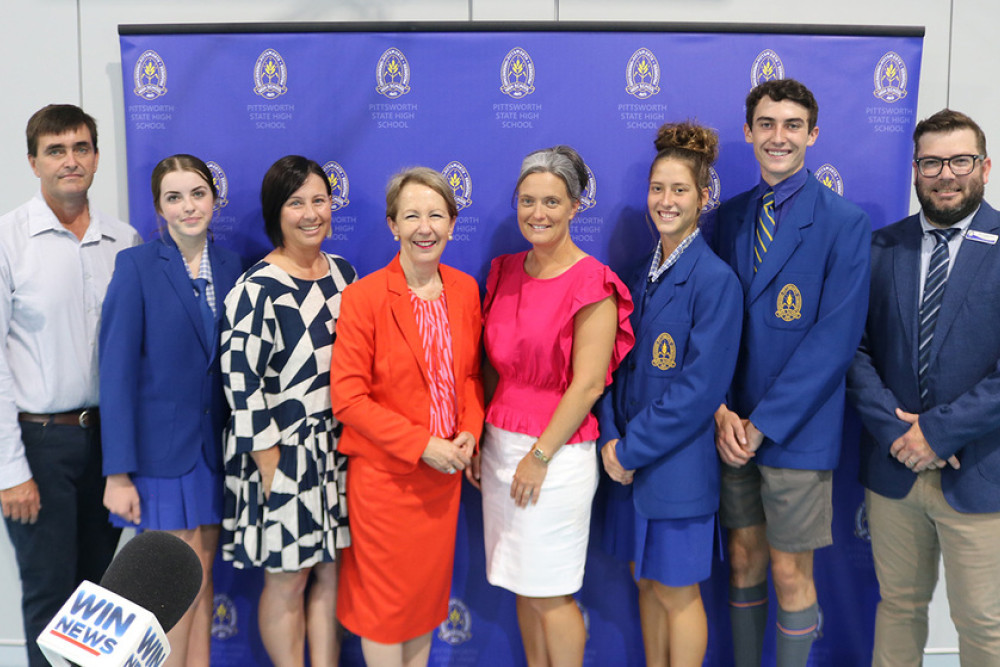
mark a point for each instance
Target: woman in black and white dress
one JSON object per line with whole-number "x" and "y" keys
{"x": 284, "y": 507}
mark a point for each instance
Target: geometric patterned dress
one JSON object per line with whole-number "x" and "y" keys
{"x": 277, "y": 336}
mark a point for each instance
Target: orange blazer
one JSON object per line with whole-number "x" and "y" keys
{"x": 379, "y": 382}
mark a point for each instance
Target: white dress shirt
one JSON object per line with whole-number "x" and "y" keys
{"x": 52, "y": 287}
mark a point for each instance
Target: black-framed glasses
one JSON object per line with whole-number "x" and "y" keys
{"x": 961, "y": 165}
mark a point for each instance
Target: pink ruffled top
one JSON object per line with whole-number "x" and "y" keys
{"x": 528, "y": 335}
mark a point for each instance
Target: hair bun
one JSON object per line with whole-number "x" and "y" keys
{"x": 688, "y": 136}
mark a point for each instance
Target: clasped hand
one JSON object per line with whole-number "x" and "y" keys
{"x": 737, "y": 440}
{"x": 614, "y": 468}
{"x": 448, "y": 456}
{"x": 912, "y": 449}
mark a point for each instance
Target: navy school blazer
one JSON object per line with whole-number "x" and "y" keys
{"x": 663, "y": 398}
{"x": 162, "y": 403}
{"x": 804, "y": 312}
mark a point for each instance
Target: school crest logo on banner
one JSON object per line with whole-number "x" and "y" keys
{"x": 861, "y": 523}
{"x": 789, "y": 303}
{"x": 149, "y": 76}
{"x": 714, "y": 191}
{"x": 767, "y": 66}
{"x": 392, "y": 74}
{"x": 828, "y": 175}
{"x": 270, "y": 75}
{"x": 588, "y": 197}
{"x": 460, "y": 183}
{"x": 890, "y": 78}
{"x": 517, "y": 74}
{"x": 221, "y": 185}
{"x": 224, "y": 621}
{"x": 456, "y": 627}
{"x": 642, "y": 74}
{"x": 340, "y": 185}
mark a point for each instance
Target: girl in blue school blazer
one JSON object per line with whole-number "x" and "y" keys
{"x": 162, "y": 406}
{"x": 657, "y": 420}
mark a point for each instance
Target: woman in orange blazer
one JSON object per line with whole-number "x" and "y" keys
{"x": 405, "y": 384}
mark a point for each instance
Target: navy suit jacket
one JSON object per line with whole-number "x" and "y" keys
{"x": 162, "y": 403}
{"x": 804, "y": 312}
{"x": 964, "y": 370}
{"x": 662, "y": 402}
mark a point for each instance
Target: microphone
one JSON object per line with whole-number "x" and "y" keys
{"x": 123, "y": 622}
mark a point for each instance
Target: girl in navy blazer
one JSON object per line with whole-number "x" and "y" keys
{"x": 657, "y": 420}
{"x": 163, "y": 409}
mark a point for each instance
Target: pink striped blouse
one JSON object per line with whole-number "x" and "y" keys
{"x": 432, "y": 322}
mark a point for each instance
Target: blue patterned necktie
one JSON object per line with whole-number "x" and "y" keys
{"x": 207, "y": 316}
{"x": 765, "y": 229}
{"x": 930, "y": 306}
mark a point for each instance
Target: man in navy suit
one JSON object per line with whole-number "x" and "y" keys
{"x": 926, "y": 381}
{"x": 801, "y": 253}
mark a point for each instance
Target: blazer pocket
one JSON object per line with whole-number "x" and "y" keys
{"x": 793, "y": 301}
{"x": 989, "y": 464}
{"x": 158, "y": 432}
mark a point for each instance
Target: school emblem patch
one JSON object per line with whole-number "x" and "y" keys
{"x": 664, "y": 352}
{"x": 789, "y": 303}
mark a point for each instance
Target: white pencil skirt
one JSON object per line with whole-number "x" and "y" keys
{"x": 539, "y": 550}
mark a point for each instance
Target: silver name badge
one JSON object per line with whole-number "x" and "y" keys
{"x": 981, "y": 237}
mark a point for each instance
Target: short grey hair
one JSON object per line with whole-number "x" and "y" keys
{"x": 561, "y": 161}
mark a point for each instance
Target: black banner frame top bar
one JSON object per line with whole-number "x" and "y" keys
{"x": 518, "y": 26}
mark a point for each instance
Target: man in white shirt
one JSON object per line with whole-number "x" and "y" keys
{"x": 56, "y": 258}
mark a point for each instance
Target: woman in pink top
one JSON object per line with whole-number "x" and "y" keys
{"x": 556, "y": 325}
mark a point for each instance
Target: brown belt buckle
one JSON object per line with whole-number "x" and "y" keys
{"x": 86, "y": 418}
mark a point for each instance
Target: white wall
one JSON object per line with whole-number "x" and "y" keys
{"x": 67, "y": 51}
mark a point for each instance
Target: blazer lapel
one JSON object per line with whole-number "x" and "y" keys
{"x": 906, "y": 279}
{"x": 456, "y": 319}
{"x": 787, "y": 238}
{"x": 677, "y": 275}
{"x": 402, "y": 313}
{"x": 743, "y": 248}
{"x": 177, "y": 276}
{"x": 220, "y": 272}
{"x": 967, "y": 262}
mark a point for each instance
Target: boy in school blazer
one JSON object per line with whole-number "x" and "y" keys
{"x": 779, "y": 433}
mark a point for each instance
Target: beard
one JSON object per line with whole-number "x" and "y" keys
{"x": 946, "y": 217}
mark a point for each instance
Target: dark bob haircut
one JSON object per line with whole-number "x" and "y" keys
{"x": 282, "y": 179}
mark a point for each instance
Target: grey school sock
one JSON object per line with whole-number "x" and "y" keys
{"x": 796, "y": 632}
{"x": 748, "y": 615}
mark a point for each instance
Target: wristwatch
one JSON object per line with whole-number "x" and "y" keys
{"x": 541, "y": 456}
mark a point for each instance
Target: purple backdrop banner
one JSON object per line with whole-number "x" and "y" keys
{"x": 471, "y": 100}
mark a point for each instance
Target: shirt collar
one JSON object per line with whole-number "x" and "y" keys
{"x": 43, "y": 219}
{"x": 962, "y": 225}
{"x": 204, "y": 267}
{"x": 785, "y": 189}
{"x": 656, "y": 270}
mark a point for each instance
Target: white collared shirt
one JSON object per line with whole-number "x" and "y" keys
{"x": 928, "y": 242}
{"x": 52, "y": 287}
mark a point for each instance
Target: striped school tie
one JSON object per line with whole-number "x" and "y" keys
{"x": 930, "y": 306}
{"x": 765, "y": 229}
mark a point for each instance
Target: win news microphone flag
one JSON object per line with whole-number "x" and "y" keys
{"x": 123, "y": 622}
